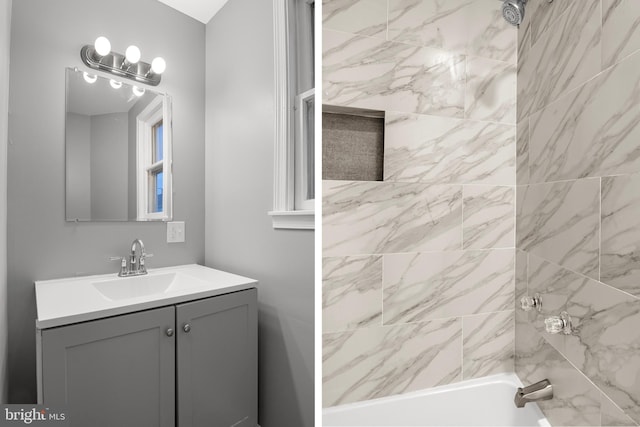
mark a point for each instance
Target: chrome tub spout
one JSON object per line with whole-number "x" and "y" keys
{"x": 542, "y": 390}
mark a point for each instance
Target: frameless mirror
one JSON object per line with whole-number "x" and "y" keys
{"x": 118, "y": 151}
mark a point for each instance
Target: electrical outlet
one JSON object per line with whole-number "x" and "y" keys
{"x": 175, "y": 232}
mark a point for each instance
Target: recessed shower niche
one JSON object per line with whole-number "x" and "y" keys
{"x": 352, "y": 144}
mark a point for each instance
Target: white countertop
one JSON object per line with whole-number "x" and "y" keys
{"x": 65, "y": 301}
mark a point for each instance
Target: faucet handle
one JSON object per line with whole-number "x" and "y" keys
{"x": 557, "y": 324}
{"x": 527, "y": 303}
{"x": 123, "y": 264}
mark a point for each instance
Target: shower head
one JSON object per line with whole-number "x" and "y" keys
{"x": 513, "y": 11}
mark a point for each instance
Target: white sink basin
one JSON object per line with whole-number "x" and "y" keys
{"x": 142, "y": 286}
{"x": 78, "y": 299}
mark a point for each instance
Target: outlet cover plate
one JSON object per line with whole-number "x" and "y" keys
{"x": 175, "y": 232}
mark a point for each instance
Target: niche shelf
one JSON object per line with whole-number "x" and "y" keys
{"x": 352, "y": 144}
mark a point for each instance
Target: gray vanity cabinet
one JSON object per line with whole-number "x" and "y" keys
{"x": 188, "y": 365}
{"x": 118, "y": 371}
{"x": 218, "y": 361}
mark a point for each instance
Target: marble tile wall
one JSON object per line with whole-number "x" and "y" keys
{"x": 418, "y": 269}
{"x": 577, "y": 204}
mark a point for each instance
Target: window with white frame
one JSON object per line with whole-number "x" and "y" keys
{"x": 294, "y": 188}
{"x": 153, "y": 154}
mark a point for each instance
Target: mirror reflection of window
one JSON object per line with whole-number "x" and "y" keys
{"x": 153, "y": 166}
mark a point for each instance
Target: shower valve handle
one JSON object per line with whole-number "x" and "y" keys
{"x": 557, "y": 324}
{"x": 528, "y": 303}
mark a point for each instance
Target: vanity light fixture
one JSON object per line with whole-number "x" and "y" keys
{"x": 99, "y": 56}
{"x": 89, "y": 78}
{"x": 138, "y": 91}
{"x": 115, "y": 84}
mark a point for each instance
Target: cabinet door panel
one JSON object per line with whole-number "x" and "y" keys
{"x": 113, "y": 372}
{"x": 217, "y": 361}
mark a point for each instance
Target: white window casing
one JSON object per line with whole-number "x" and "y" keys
{"x": 291, "y": 210}
{"x": 158, "y": 110}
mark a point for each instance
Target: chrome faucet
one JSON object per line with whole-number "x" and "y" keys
{"x": 136, "y": 262}
{"x": 542, "y": 390}
{"x": 136, "y": 265}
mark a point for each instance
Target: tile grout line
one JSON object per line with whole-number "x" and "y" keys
{"x": 418, "y": 322}
{"x": 462, "y": 218}
{"x": 600, "y": 234}
{"x": 462, "y": 347}
{"x": 587, "y": 277}
{"x": 382, "y": 257}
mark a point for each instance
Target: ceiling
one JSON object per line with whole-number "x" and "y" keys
{"x": 202, "y": 10}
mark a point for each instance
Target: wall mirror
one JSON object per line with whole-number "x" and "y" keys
{"x": 118, "y": 150}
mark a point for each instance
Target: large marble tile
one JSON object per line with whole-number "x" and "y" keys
{"x": 490, "y": 93}
{"x": 612, "y": 416}
{"x": 576, "y": 402}
{"x": 370, "y": 73}
{"x": 488, "y": 217}
{"x": 351, "y": 292}
{"x": 592, "y": 131}
{"x": 521, "y": 271}
{"x": 431, "y": 149}
{"x": 366, "y": 17}
{"x": 605, "y": 342}
{"x": 386, "y": 217}
{"x": 524, "y": 35}
{"x": 377, "y": 362}
{"x": 560, "y": 222}
{"x": 544, "y": 14}
{"x": 620, "y": 236}
{"x": 568, "y": 54}
{"x": 488, "y": 34}
{"x": 472, "y": 27}
{"x": 526, "y": 74}
{"x": 488, "y": 344}
{"x": 432, "y": 285}
{"x": 620, "y": 30}
{"x": 433, "y": 23}
{"x": 522, "y": 152}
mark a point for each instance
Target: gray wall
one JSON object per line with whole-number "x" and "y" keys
{"x": 110, "y": 166}
{"x": 42, "y": 244}
{"x": 578, "y": 236}
{"x": 78, "y": 155}
{"x": 5, "y": 28}
{"x": 239, "y": 233}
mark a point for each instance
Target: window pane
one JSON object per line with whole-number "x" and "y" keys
{"x": 310, "y": 147}
{"x": 155, "y": 191}
{"x": 157, "y": 153}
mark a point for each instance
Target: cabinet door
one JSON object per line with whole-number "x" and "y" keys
{"x": 218, "y": 361}
{"x": 118, "y": 371}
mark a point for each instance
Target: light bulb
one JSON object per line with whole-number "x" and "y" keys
{"x": 132, "y": 54}
{"x": 102, "y": 45}
{"x": 137, "y": 91}
{"x": 115, "y": 84}
{"x": 158, "y": 65}
{"x": 89, "y": 78}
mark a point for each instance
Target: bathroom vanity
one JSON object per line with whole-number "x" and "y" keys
{"x": 175, "y": 347}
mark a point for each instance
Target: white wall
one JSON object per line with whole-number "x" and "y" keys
{"x": 5, "y": 28}
{"x": 239, "y": 234}
{"x": 42, "y": 244}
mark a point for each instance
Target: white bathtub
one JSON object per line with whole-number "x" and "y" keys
{"x": 482, "y": 402}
